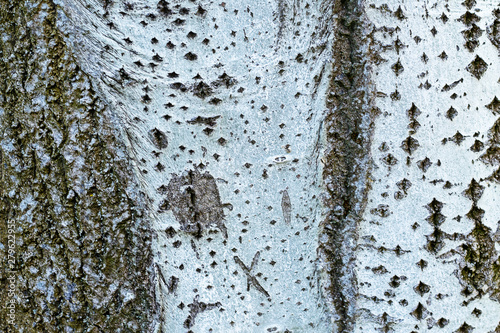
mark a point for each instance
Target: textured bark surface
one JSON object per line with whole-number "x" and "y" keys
{"x": 222, "y": 106}
{"x": 348, "y": 127}
{"x": 251, "y": 165}
{"x": 82, "y": 243}
{"x": 428, "y": 253}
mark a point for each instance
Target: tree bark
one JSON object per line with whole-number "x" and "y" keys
{"x": 249, "y": 166}
{"x": 82, "y": 243}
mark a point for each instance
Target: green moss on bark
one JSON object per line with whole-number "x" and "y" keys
{"x": 83, "y": 262}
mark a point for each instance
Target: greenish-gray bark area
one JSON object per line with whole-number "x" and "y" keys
{"x": 349, "y": 126}
{"x": 83, "y": 260}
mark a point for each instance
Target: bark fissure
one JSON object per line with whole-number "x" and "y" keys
{"x": 82, "y": 247}
{"x": 348, "y": 131}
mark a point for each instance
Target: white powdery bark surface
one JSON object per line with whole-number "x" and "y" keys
{"x": 255, "y": 127}
{"x": 411, "y": 240}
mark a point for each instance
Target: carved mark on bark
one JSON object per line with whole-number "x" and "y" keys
{"x": 197, "y": 307}
{"x": 251, "y": 279}
{"x": 286, "y": 207}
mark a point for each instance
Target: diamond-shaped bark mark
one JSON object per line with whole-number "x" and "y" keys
{"x": 471, "y": 44}
{"x": 413, "y": 112}
{"x": 222, "y": 141}
{"x": 495, "y": 176}
{"x": 162, "y": 7}
{"x": 410, "y": 145}
{"x": 474, "y": 191}
{"x": 191, "y": 56}
{"x": 465, "y": 328}
{"x": 390, "y": 160}
{"x": 381, "y": 210}
{"x": 424, "y": 164}
{"x": 473, "y": 32}
{"x": 172, "y": 284}
{"x": 399, "y": 251}
{"x": 436, "y": 219}
{"x": 404, "y": 185}
{"x": 494, "y": 30}
{"x": 477, "y": 146}
{"x": 421, "y": 264}
{"x": 475, "y": 213}
{"x": 379, "y": 270}
{"x": 178, "y": 86}
{"x": 158, "y": 138}
{"x": 469, "y": 18}
{"x": 414, "y": 125}
{"x": 159, "y": 167}
{"x": 384, "y": 147}
{"x": 215, "y": 101}
{"x": 435, "y": 241}
{"x": 157, "y": 58}
{"x": 179, "y": 22}
{"x": 443, "y": 56}
{"x": 208, "y": 130}
{"x": 435, "y": 206}
{"x": 494, "y": 135}
{"x": 420, "y": 312}
{"x": 202, "y": 90}
{"x": 469, "y": 4}
{"x": 442, "y": 322}
{"x": 451, "y": 113}
{"x": 395, "y": 96}
{"x": 492, "y": 155}
{"x": 424, "y": 58}
{"x": 458, "y": 138}
{"x": 494, "y": 106}
{"x": 472, "y": 37}
{"x": 477, "y": 67}
{"x": 163, "y": 207}
{"x": 224, "y": 80}
{"x": 397, "y": 68}
{"x": 422, "y": 288}
{"x": 395, "y": 281}
{"x": 398, "y": 45}
{"x": 425, "y": 85}
{"x": 399, "y": 14}
{"x": 201, "y": 11}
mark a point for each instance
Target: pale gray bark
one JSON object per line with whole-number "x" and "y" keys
{"x": 428, "y": 253}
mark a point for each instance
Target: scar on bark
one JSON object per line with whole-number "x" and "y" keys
{"x": 251, "y": 279}
{"x": 197, "y": 307}
{"x": 195, "y": 202}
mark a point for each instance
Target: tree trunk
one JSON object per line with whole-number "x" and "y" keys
{"x": 249, "y": 166}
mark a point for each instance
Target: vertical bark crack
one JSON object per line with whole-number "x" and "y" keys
{"x": 348, "y": 133}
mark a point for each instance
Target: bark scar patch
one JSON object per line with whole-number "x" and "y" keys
{"x": 286, "y": 207}
{"x": 195, "y": 202}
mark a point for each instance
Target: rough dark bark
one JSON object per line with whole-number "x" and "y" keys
{"x": 348, "y": 127}
{"x": 82, "y": 256}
